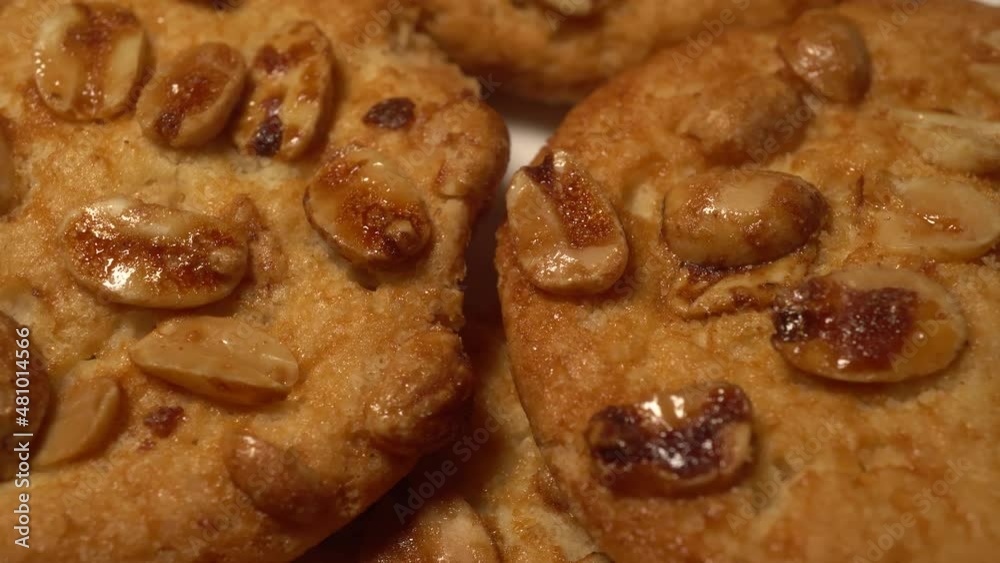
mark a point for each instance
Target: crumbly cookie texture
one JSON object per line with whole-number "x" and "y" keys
{"x": 488, "y": 499}
{"x": 797, "y": 362}
{"x": 559, "y": 50}
{"x": 243, "y": 349}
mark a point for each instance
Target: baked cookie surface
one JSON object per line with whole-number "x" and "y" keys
{"x": 751, "y": 297}
{"x": 246, "y": 292}
{"x": 559, "y": 50}
{"x": 485, "y": 497}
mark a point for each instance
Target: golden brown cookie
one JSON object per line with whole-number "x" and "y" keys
{"x": 559, "y": 50}
{"x": 235, "y": 233}
{"x": 486, "y": 497}
{"x": 751, "y": 297}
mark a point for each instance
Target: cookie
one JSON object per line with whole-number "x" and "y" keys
{"x": 751, "y": 297}
{"x": 234, "y": 241}
{"x": 486, "y": 497}
{"x": 445, "y": 529}
{"x": 559, "y": 50}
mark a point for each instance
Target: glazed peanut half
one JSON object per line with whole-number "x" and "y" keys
{"x": 568, "y": 236}
{"x": 739, "y": 218}
{"x": 189, "y": 103}
{"x": 828, "y": 53}
{"x": 869, "y": 325}
{"x": 292, "y": 81}
{"x": 144, "y": 254}
{"x": 90, "y": 60}
{"x": 682, "y": 442}
{"x": 368, "y": 210}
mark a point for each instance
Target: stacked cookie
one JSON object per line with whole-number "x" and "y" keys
{"x": 749, "y": 288}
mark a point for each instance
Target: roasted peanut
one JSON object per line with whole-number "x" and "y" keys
{"x": 940, "y": 218}
{"x": 292, "y": 79}
{"x": 828, "y": 52}
{"x": 189, "y": 103}
{"x": 220, "y": 358}
{"x": 83, "y": 421}
{"x": 19, "y": 360}
{"x": 952, "y": 142}
{"x": 276, "y": 479}
{"x": 690, "y": 441}
{"x": 367, "y": 210}
{"x": 738, "y": 218}
{"x": 148, "y": 255}
{"x": 869, "y": 325}
{"x": 753, "y": 119}
{"x": 90, "y": 60}
{"x": 575, "y": 8}
{"x": 566, "y": 233}
{"x": 435, "y": 375}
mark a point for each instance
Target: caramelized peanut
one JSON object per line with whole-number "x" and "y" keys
{"x": 690, "y": 441}
{"x": 869, "y": 325}
{"x": 827, "y": 52}
{"x": 699, "y": 291}
{"x": 148, "y": 255}
{"x": 367, "y": 210}
{"x": 738, "y": 218}
{"x": 90, "y": 60}
{"x": 292, "y": 78}
{"x": 566, "y": 233}
{"x": 190, "y": 103}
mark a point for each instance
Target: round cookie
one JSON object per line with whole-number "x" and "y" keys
{"x": 751, "y": 305}
{"x": 485, "y": 497}
{"x": 245, "y": 292}
{"x": 559, "y": 50}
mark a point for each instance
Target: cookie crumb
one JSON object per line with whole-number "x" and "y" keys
{"x": 393, "y": 113}
{"x": 164, "y": 420}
